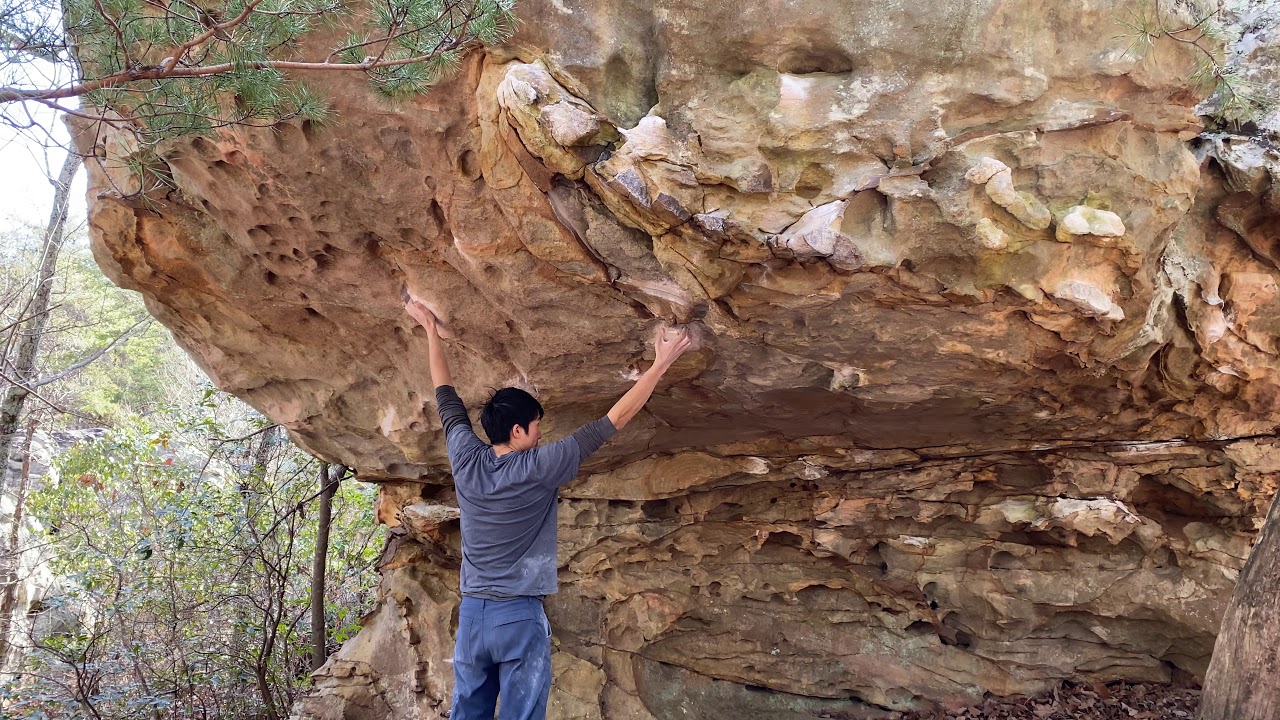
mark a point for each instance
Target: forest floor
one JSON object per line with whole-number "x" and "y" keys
{"x": 1081, "y": 701}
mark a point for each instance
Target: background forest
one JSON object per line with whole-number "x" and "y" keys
{"x": 158, "y": 539}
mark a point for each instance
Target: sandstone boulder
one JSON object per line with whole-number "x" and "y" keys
{"x": 925, "y": 451}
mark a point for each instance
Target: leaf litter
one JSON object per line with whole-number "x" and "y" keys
{"x": 1079, "y": 701}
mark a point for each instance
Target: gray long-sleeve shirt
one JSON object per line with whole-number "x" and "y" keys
{"x": 508, "y": 503}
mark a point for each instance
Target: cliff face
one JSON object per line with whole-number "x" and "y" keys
{"x": 985, "y": 392}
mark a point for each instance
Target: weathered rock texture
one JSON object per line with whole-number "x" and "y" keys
{"x": 985, "y": 394}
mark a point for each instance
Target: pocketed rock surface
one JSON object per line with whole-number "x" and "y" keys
{"x": 984, "y": 394}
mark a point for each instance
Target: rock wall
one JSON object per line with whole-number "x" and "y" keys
{"x": 985, "y": 391}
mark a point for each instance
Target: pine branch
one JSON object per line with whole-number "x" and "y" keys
{"x": 11, "y": 94}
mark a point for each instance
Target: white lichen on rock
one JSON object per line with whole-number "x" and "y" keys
{"x": 846, "y": 378}
{"x": 1085, "y": 220}
{"x": 998, "y": 179}
{"x": 985, "y": 169}
{"x": 1086, "y": 516}
{"x": 550, "y": 121}
{"x": 990, "y": 236}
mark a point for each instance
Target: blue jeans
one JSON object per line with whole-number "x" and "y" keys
{"x": 502, "y": 647}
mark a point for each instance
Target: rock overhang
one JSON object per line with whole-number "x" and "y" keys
{"x": 977, "y": 313}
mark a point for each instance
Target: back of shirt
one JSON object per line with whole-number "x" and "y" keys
{"x": 508, "y": 503}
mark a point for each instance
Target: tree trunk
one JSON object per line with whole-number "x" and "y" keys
{"x": 1243, "y": 682}
{"x": 13, "y": 554}
{"x": 264, "y": 691}
{"x": 319, "y": 629}
{"x": 23, "y": 365}
{"x": 271, "y": 610}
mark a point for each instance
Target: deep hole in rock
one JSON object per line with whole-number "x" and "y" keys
{"x": 1002, "y": 560}
{"x": 271, "y": 278}
{"x": 920, "y": 628}
{"x": 959, "y": 636}
{"x": 813, "y": 180}
{"x": 659, "y": 509}
{"x": 930, "y": 591}
{"x": 875, "y": 558}
{"x": 1165, "y": 562}
{"x": 1023, "y": 476}
{"x": 784, "y": 539}
{"x": 1013, "y": 537}
{"x": 467, "y": 165}
{"x": 1055, "y": 537}
{"x": 1152, "y": 494}
{"x": 370, "y": 242}
{"x": 813, "y": 60}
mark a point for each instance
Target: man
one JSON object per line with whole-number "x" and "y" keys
{"x": 507, "y": 494}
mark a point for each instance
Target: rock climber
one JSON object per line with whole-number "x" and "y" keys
{"x": 507, "y": 492}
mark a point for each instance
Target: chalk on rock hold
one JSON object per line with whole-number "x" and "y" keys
{"x": 1088, "y": 298}
{"x": 1084, "y": 220}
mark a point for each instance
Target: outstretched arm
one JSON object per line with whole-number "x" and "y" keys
{"x": 558, "y": 463}
{"x": 453, "y": 414}
{"x": 435, "y": 349}
{"x": 668, "y": 346}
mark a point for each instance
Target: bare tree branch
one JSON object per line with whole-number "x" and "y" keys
{"x": 124, "y": 337}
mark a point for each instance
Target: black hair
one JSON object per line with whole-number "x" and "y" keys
{"x": 508, "y": 407}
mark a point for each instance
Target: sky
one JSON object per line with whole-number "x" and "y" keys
{"x": 29, "y": 157}
{"x": 26, "y": 194}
